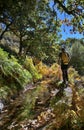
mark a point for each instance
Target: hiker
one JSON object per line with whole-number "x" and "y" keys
{"x": 64, "y": 59}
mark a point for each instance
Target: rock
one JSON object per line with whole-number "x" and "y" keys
{"x": 1, "y": 106}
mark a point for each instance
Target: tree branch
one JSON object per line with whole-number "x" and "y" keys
{"x": 7, "y": 26}
{"x": 64, "y": 8}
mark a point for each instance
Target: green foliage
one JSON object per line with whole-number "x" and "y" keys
{"x": 4, "y": 91}
{"x": 12, "y": 73}
{"x": 77, "y": 58}
{"x": 51, "y": 52}
{"x": 28, "y": 64}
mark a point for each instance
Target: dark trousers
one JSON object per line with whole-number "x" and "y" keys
{"x": 64, "y": 69}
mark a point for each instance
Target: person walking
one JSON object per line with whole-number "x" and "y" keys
{"x": 64, "y": 59}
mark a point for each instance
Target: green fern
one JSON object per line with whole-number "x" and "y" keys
{"x": 10, "y": 68}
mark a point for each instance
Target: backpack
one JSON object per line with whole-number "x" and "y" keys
{"x": 65, "y": 58}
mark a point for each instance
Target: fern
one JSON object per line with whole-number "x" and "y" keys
{"x": 11, "y": 69}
